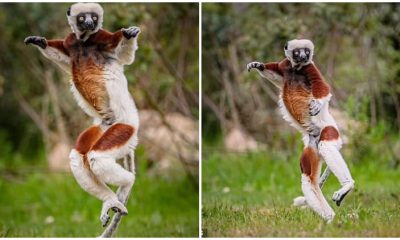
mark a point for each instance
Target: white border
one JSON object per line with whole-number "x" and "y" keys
{"x": 200, "y": 73}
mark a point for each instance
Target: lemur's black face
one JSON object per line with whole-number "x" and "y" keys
{"x": 301, "y": 55}
{"x": 87, "y": 21}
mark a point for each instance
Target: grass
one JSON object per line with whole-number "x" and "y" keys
{"x": 251, "y": 195}
{"x": 53, "y": 205}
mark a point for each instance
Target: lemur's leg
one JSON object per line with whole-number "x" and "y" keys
{"x": 311, "y": 167}
{"x": 300, "y": 201}
{"x": 85, "y": 177}
{"x": 328, "y": 148}
{"x": 129, "y": 164}
{"x": 115, "y": 143}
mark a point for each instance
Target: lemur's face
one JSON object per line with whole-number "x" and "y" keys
{"x": 87, "y": 21}
{"x": 301, "y": 55}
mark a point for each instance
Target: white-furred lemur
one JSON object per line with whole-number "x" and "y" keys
{"x": 304, "y": 103}
{"x": 95, "y": 58}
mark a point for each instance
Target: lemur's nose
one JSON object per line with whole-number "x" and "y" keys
{"x": 303, "y": 57}
{"x": 89, "y": 24}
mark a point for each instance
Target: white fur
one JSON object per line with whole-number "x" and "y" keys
{"x": 273, "y": 77}
{"x": 83, "y": 8}
{"x": 85, "y": 180}
{"x": 58, "y": 57}
{"x": 329, "y": 150}
{"x": 315, "y": 199}
{"x": 85, "y": 106}
{"x": 126, "y": 50}
{"x": 300, "y": 201}
{"x": 299, "y": 43}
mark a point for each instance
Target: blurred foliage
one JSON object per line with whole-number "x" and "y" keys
{"x": 357, "y": 48}
{"x": 36, "y": 105}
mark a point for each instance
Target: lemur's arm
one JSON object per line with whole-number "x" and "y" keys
{"x": 122, "y": 44}
{"x": 270, "y": 71}
{"x": 53, "y": 50}
{"x": 128, "y": 45}
{"x": 319, "y": 88}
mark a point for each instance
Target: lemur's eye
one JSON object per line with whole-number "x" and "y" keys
{"x": 94, "y": 18}
{"x": 307, "y": 52}
{"x": 81, "y": 19}
{"x": 296, "y": 53}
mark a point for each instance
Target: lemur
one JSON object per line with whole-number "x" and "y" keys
{"x": 95, "y": 58}
{"x": 304, "y": 103}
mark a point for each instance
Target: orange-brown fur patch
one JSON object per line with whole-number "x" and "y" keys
{"x": 89, "y": 81}
{"x": 88, "y": 62}
{"x": 59, "y": 45}
{"x": 309, "y": 163}
{"x": 273, "y": 67}
{"x": 319, "y": 87}
{"x": 297, "y": 100}
{"x": 116, "y": 136}
{"x": 86, "y": 140}
{"x": 329, "y": 133}
{"x": 108, "y": 40}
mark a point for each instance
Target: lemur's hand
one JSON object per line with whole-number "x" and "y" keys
{"x": 39, "y": 41}
{"x": 130, "y": 32}
{"x": 258, "y": 65}
{"x": 315, "y": 107}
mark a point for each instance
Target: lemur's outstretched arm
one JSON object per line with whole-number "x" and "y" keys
{"x": 53, "y": 50}
{"x": 122, "y": 44}
{"x": 270, "y": 71}
{"x": 128, "y": 45}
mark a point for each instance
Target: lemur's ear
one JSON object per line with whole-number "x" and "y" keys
{"x": 285, "y": 46}
{"x": 69, "y": 12}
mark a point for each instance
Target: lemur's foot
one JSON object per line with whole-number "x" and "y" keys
{"x": 339, "y": 195}
{"x": 300, "y": 202}
{"x": 130, "y": 32}
{"x": 109, "y": 119}
{"x": 314, "y": 132}
{"x": 105, "y": 219}
{"x": 114, "y": 205}
{"x": 257, "y": 65}
{"x": 39, "y": 41}
{"x": 315, "y": 107}
{"x": 329, "y": 218}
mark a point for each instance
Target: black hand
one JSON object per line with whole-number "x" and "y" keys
{"x": 258, "y": 65}
{"x": 131, "y": 32}
{"x": 39, "y": 41}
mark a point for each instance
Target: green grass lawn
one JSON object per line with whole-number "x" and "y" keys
{"x": 53, "y": 205}
{"x": 251, "y": 195}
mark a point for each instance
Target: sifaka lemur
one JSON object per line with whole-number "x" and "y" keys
{"x": 95, "y": 59}
{"x": 304, "y": 103}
